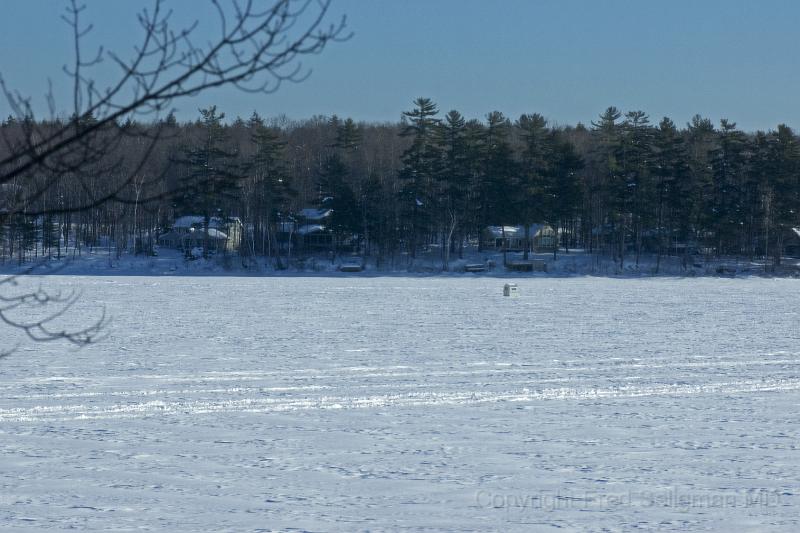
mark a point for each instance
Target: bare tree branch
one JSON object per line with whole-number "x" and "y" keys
{"x": 257, "y": 50}
{"x": 49, "y": 307}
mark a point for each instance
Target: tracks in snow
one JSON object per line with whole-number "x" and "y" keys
{"x": 375, "y": 387}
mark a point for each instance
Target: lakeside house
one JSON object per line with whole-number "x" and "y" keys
{"x": 307, "y": 230}
{"x": 224, "y": 235}
{"x": 512, "y": 238}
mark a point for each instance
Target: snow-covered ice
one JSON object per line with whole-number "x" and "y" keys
{"x": 424, "y": 404}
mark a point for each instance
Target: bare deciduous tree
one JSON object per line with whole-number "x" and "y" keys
{"x": 259, "y": 46}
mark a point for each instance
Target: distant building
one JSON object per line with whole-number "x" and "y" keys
{"x": 187, "y": 233}
{"x": 791, "y": 243}
{"x": 512, "y": 238}
{"x": 307, "y": 230}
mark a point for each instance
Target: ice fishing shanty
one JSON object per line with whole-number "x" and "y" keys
{"x": 511, "y": 290}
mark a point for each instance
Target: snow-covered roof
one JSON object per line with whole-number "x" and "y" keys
{"x": 194, "y": 235}
{"x": 312, "y": 214}
{"x": 215, "y": 234}
{"x": 310, "y": 228}
{"x": 508, "y": 231}
{"x": 513, "y": 231}
{"x": 796, "y": 231}
{"x": 188, "y": 221}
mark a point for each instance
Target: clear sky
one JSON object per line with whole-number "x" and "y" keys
{"x": 566, "y": 59}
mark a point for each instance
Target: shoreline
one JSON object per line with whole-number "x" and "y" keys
{"x": 572, "y": 265}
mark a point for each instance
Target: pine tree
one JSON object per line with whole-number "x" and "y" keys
{"x": 213, "y": 173}
{"x": 477, "y": 189}
{"x": 345, "y": 218}
{"x": 701, "y": 140}
{"x": 782, "y": 190}
{"x": 420, "y": 165}
{"x": 272, "y": 191}
{"x": 610, "y": 200}
{"x": 728, "y": 162}
{"x": 637, "y": 139}
{"x": 348, "y": 136}
{"x": 562, "y": 189}
{"x": 672, "y": 207}
{"x": 531, "y": 197}
{"x": 500, "y": 173}
{"x": 453, "y": 179}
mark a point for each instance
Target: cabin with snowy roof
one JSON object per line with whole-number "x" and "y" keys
{"x": 307, "y": 229}
{"x": 512, "y": 238}
{"x": 224, "y": 235}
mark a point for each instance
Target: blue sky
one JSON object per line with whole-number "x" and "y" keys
{"x": 566, "y": 59}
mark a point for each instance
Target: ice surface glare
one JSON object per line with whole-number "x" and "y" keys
{"x": 335, "y": 404}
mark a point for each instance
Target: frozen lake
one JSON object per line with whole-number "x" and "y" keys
{"x": 421, "y": 404}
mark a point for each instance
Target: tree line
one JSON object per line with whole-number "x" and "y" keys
{"x": 622, "y": 186}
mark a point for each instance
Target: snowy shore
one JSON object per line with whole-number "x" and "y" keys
{"x": 575, "y": 263}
